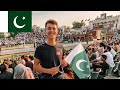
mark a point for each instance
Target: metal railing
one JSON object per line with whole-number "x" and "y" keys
{"x": 14, "y": 55}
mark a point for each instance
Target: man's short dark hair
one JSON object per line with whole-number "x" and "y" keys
{"x": 31, "y": 57}
{"x": 108, "y": 48}
{"x": 102, "y": 44}
{"x": 22, "y": 57}
{"x": 52, "y": 22}
{"x": 104, "y": 56}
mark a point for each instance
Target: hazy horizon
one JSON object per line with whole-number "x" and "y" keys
{"x": 66, "y": 17}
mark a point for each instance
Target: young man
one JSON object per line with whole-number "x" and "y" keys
{"x": 101, "y": 64}
{"x": 109, "y": 60}
{"x": 48, "y": 57}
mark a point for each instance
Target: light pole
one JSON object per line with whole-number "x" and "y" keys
{"x": 24, "y": 41}
{"x": 62, "y": 34}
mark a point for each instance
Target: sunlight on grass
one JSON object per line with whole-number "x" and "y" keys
{"x": 69, "y": 47}
{"x": 17, "y": 47}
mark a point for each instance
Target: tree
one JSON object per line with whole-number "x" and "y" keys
{"x": 34, "y": 27}
{"x": 65, "y": 27}
{"x": 37, "y": 28}
{"x": 1, "y": 35}
{"x": 83, "y": 23}
{"x": 77, "y": 24}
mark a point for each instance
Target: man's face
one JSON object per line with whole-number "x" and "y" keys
{"x": 51, "y": 30}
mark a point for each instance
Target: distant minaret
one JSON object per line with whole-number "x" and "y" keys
{"x": 103, "y": 15}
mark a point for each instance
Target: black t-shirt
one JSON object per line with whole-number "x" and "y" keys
{"x": 47, "y": 55}
{"x": 104, "y": 67}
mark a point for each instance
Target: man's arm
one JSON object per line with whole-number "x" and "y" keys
{"x": 37, "y": 67}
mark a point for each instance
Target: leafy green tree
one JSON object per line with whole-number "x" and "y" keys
{"x": 77, "y": 24}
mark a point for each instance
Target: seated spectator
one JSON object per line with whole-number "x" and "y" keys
{"x": 28, "y": 63}
{"x": 116, "y": 46}
{"x": 31, "y": 59}
{"x": 109, "y": 60}
{"x": 22, "y": 60}
{"x": 14, "y": 64}
{"x": 101, "y": 64}
{"x": 94, "y": 54}
{"x": 22, "y": 72}
{"x": 4, "y": 73}
{"x": 68, "y": 73}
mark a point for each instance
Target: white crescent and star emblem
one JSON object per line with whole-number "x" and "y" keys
{"x": 78, "y": 64}
{"x": 15, "y": 23}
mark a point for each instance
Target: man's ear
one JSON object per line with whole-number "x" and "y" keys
{"x": 45, "y": 31}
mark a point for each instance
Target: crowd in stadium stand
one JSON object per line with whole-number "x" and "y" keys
{"x": 39, "y": 37}
{"x": 102, "y": 56}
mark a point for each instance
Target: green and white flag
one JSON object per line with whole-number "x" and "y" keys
{"x": 79, "y": 62}
{"x": 15, "y": 21}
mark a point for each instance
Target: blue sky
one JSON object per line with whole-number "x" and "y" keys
{"x": 66, "y": 17}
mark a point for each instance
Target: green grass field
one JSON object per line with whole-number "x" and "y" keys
{"x": 69, "y": 47}
{"x": 16, "y": 47}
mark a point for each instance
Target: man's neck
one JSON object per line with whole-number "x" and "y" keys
{"x": 51, "y": 42}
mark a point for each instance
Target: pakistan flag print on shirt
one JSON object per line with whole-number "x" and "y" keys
{"x": 19, "y": 21}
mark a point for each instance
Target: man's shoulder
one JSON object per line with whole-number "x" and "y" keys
{"x": 42, "y": 46}
{"x": 7, "y": 73}
{"x": 106, "y": 52}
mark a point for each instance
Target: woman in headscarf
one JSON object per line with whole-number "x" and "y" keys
{"x": 23, "y": 72}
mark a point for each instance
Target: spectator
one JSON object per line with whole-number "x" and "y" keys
{"x": 101, "y": 64}
{"x": 109, "y": 60}
{"x": 28, "y": 63}
{"x": 22, "y": 60}
{"x": 31, "y": 59}
{"x": 4, "y": 73}
{"x": 116, "y": 47}
{"x": 22, "y": 72}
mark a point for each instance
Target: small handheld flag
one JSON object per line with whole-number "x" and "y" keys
{"x": 79, "y": 62}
